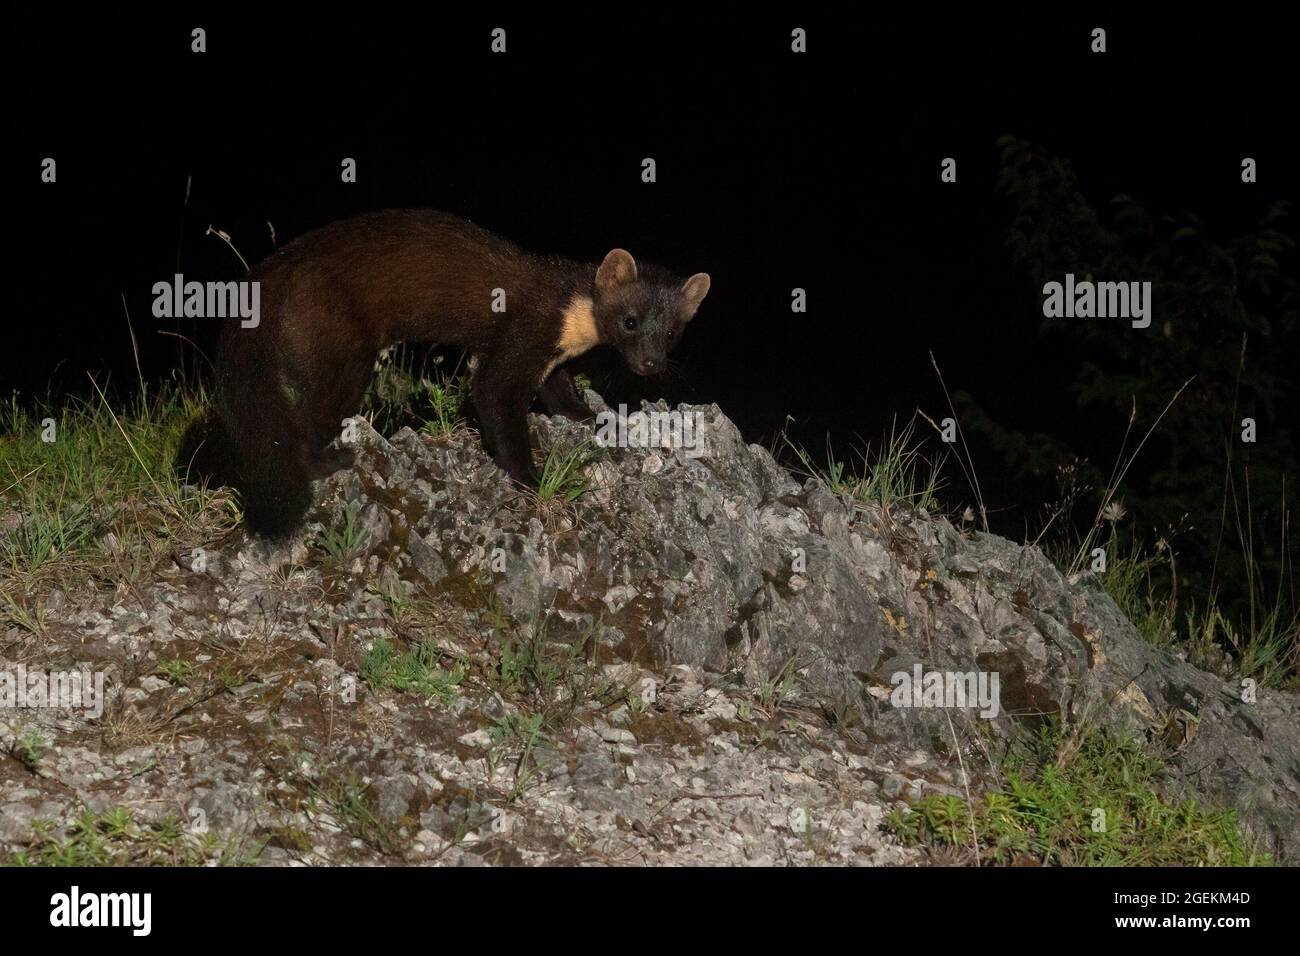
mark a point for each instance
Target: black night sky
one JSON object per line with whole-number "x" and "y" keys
{"x": 775, "y": 171}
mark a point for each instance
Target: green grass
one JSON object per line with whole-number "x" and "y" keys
{"x": 1251, "y": 632}
{"x": 1079, "y": 798}
{"x": 402, "y": 394}
{"x": 116, "y": 838}
{"x": 553, "y": 675}
{"x": 1144, "y": 586}
{"x": 896, "y": 472}
{"x": 549, "y": 681}
{"x": 446, "y": 407}
{"x": 530, "y": 662}
{"x": 352, "y": 807}
{"x": 563, "y": 477}
{"x": 528, "y": 729}
{"x": 523, "y": 732}
{"x": 176, "y": 671}
{"x": 345, "y": 539}
{"x": 777, "y": 687}
{"x": 416, "y": 671}
{"x": 88, "y": 491}
{"x": 29, "y": 747}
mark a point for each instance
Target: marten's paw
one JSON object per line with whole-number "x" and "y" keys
{"x": 559, "y": 397}
{"x": 578, "y": 412}
{"x": 520, "y": 471}
{"x": 526, "y": 478}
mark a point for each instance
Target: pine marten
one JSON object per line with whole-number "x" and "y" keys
{"x": 333, "y": 298}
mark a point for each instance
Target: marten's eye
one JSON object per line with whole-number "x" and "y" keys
{"x": 671, "y": 333}
{"x": 629, "y": 323}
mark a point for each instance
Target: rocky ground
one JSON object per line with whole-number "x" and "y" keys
{"x": 691, "y": 662}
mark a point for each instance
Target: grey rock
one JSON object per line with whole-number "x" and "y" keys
{"x": 756, "y": 624}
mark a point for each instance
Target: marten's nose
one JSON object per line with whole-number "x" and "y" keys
{"x": 647, "y": 366}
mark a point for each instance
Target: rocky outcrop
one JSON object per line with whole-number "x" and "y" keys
{"x": 734, "y": 692}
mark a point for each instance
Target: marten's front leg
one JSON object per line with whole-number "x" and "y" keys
{"x": 560, "y": 397}
{"x": 503, "y": 389}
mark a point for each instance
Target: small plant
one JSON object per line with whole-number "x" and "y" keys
{"x": 390, "y": 592}
{"x": 343, "y": 541}
{"x": 525, "y": 663}
{"x": 415, "y": 671}
{"x": 527, "y": 729}
{"x": 230, "y": 678}
{"x": 895, "y": 473}
{"x": 550, "y": 673}
{"x": 401, "y": 394}
{"x": 446, "y": 398}
{"x": 176, "y": 671}
{"x": 22, "y": 610}
{"x": 563, "y": 478}
{"x": 350, "y": 803}
{"x": 29, "y": 747}
{"x": 52, "y": 528}
{"x": 777, "y": 687}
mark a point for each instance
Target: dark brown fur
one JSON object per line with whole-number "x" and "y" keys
{"x": 333, "y": 298}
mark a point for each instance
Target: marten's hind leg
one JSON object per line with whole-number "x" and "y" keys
{"x": 334, "y": 396}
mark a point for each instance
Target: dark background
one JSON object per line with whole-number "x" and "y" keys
{"x": 774, "y": 171}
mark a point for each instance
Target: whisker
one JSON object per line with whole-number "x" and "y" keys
{"x": 676, "y": 369}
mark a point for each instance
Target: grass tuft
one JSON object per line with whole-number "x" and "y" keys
{"x": 416, "y": 671}
{"x": 116, "y": 838}
{"x": 563, "y": 478}
{"x": 1079, "y": 798}
{"x": 90, "y": 492}
{"x": 894, "y": 473}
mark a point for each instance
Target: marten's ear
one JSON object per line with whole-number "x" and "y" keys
{"x": 694, "y": 290}
{"x": 618, "y": 269}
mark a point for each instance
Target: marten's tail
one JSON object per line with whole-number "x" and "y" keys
{"x": 260, "y": 457}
